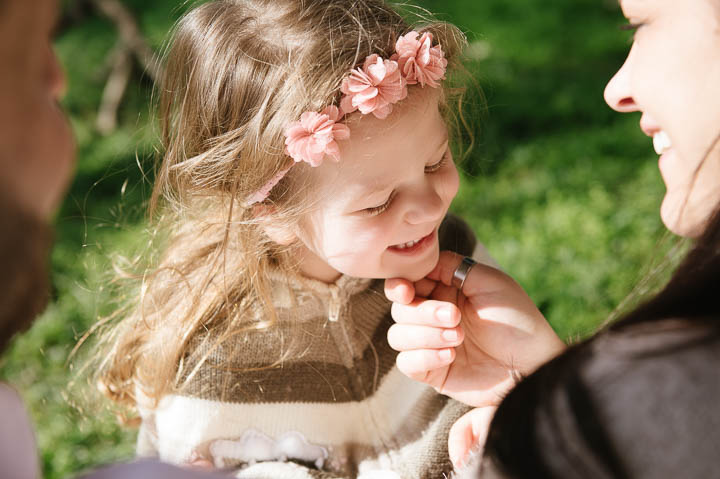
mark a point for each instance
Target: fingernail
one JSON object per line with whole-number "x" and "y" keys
{"x": 445, "y": 354}
{"x": 444, "y": 314}
{"x": 450, "y": 335}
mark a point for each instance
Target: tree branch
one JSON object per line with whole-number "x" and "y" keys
{"x": 130, "y": 34}
{"x": 131, "y": 44}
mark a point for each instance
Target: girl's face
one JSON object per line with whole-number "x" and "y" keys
{"x": 672, "y": 76}
{"x": 381, "y": 205}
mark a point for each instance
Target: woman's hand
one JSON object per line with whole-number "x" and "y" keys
{"x": 470, "y": 345}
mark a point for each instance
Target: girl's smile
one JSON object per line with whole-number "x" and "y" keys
{"x": 416, "y": 246}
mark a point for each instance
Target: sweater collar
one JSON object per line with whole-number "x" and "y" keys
{"x": 335, "y": 295}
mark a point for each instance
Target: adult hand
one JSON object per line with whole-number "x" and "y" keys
{"x": 472, "y": 344}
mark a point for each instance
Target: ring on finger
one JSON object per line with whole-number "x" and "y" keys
{"x": 461, "y": 272}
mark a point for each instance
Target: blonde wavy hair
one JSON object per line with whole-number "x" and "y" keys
{"x": 237, "y": 72}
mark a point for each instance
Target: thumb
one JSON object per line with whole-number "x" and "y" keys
{"x": 399, "y": 290}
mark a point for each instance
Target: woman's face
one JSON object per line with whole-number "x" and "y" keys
{"x": 672, "y": 76}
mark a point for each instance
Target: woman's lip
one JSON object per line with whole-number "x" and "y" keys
{"x": 662, "y": 157}
{"x": 421, "y": 245}
{"x": 648, "y": 125}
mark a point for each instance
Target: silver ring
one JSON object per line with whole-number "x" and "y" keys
{"x": 462, "y": 271}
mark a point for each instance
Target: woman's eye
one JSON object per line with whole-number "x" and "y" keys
{"x": 439, "y": 164}
{"x": 631, "y": 27}
{"x": 379, "y": 209}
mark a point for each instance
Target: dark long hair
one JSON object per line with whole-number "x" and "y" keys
{"x": 694, "y": 289}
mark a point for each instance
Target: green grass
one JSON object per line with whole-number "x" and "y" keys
{"x": 563, "y": 191}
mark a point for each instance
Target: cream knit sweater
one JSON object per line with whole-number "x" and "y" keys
{"x": 332, "y": 404}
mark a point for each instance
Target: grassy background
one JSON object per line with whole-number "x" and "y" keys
{"x": 563, "y": 191}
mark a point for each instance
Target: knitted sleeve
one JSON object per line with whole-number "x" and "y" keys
{"x": 147, "y": 436}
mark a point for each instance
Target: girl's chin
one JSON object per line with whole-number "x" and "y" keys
{"x": 418, "y": 271}
{"x": 406, "y": 269}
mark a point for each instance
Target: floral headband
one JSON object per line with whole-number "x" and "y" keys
{"x": 373, "y": 88}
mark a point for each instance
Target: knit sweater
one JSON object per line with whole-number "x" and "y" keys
{"x": 317, "y": 395}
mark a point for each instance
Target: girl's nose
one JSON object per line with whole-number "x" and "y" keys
{"x": 618, "y": 94}
{"x": 426, "y": 207}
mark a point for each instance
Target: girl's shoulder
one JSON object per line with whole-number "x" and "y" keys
{"x": 456, "y": 235}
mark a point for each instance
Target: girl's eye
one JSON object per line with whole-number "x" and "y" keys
{"x": 428, "y": 169}
{"x": 439, "y": 164}
{"x": 379, "y": 209}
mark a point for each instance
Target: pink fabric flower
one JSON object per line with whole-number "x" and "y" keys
{"x": 419, "y": 61}
{"x": 313, "y": 137}
{"x": 374, "y": 87}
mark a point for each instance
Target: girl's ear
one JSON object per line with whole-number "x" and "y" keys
{"x": 278, "y": 232}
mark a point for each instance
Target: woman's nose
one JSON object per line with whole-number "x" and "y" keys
{"x": 618, "y": 94}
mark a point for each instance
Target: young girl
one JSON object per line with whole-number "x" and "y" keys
{"x": 306, "y": 153}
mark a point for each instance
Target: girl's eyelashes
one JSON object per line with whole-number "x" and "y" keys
{"x": 439, "y": 164}
{"x": 379, "y": 209}
{"x": 376, "y": 210}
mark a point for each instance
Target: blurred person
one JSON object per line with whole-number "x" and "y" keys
{"x": 36, "y": 162}
{"x": 36, "y": 158}
{"x": 582, "y": 414}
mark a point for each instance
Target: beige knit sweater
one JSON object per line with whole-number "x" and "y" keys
{"x": 333, "y": 405}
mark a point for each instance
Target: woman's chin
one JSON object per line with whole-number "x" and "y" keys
{"x": 681, "y": 218}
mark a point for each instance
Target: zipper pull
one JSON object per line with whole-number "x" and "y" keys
{"x": 334, "y": 310}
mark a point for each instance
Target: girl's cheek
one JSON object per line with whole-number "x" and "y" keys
{"x": 359, "y": 235}
{"x": 375, "y": 232}
{"x": 450, "y": 183}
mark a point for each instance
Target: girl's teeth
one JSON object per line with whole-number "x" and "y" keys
{"x": 661, "y": 142}
{"x": 409, "y": 244}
